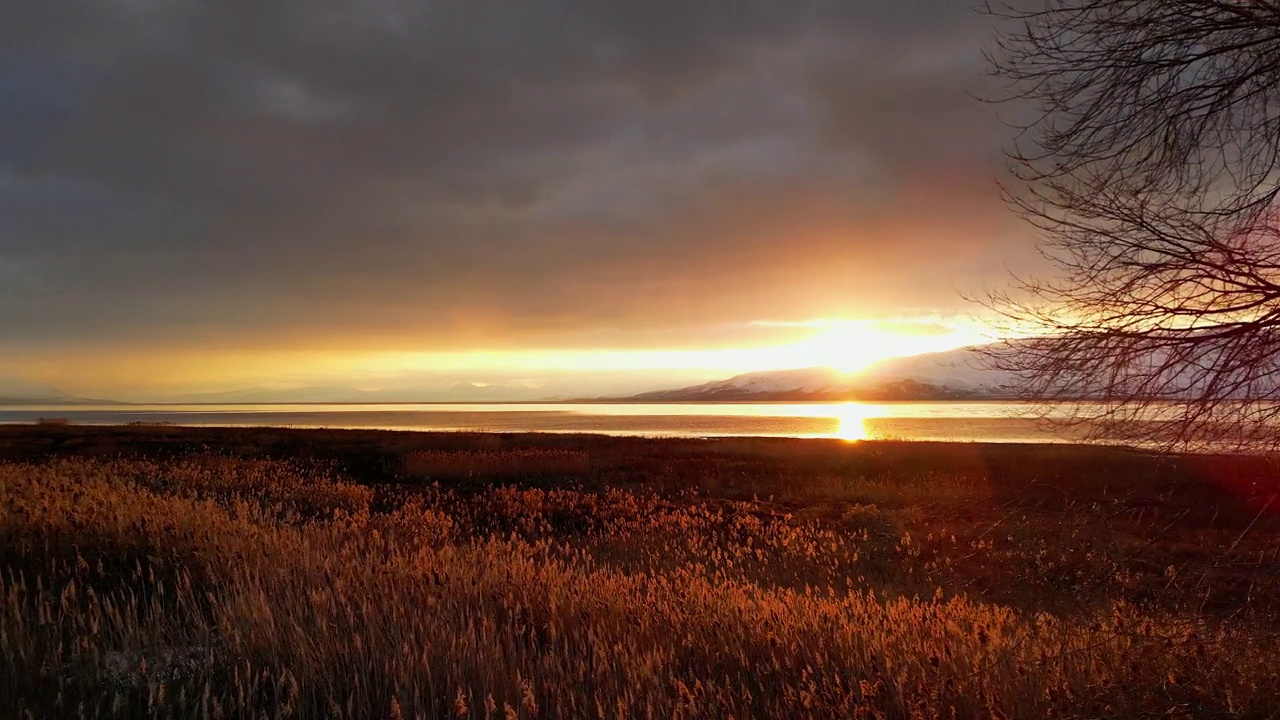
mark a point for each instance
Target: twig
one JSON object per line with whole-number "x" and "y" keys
{"x": 1257, "y": 517}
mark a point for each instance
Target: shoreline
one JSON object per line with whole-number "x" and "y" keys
{"x": 84, "y": 435}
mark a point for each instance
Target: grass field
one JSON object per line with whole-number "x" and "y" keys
{"x": 171, "y": 572}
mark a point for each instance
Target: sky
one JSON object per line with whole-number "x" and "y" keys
{"x": 559, "y": 196}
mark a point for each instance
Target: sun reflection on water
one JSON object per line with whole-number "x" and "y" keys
{"x": 851, "y": 422}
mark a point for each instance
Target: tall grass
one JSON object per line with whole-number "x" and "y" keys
{"x": 242, "y": 588}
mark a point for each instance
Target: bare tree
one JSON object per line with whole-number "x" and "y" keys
{"x": 1151, "y": 172}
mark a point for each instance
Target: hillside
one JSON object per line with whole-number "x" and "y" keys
{"x": 951, "y": 375}
{"x": 19, "y": 391}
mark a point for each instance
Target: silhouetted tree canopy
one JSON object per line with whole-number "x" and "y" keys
{"x": 1151, "y": 172}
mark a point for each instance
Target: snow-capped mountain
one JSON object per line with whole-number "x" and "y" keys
{"x": 807, "y": 382}
{"x": 960, "y": 370}
{"x": 951, "y": 375}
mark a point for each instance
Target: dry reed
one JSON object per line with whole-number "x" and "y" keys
{"x": 234, "y": 588}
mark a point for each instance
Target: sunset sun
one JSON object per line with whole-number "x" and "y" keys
{"x": 850, "y": 347}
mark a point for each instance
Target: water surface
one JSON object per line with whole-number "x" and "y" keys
{"x": 958, "y": 421}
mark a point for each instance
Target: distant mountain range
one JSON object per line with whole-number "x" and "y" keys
{"x": 16, "y": 391}
{"x": 315, "y": 394}
{"x": 951, "y": 375}
{"x": 460, "y": 392}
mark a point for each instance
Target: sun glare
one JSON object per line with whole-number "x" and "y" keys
{"x": 843, "y": 345}
{"x": 849, "y": 346}
{"x": 851, "y": 422}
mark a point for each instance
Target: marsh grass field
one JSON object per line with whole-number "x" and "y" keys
{"x": 181, "y": 572}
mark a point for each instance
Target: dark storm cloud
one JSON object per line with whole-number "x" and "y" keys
{"x": 253, "y": 169}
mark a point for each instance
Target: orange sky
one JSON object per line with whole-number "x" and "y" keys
{"x": 495, "y": 195}
{"x": 544, "y": 372}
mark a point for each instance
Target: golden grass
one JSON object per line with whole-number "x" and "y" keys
{"x": 496, "y": 464}
{"x": 211, "y": 587}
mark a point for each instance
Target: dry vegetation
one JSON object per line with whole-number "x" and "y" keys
{"x": 474, "y": 576}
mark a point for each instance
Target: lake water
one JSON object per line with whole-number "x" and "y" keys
{"x": 957, "y": 421}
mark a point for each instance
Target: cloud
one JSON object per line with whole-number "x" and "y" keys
{"x": 409, "y": 174}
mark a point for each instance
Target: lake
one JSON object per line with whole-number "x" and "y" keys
{"x": 949, "y": 421}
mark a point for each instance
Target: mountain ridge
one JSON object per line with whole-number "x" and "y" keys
{"x": 22, "y": 392}
{"x": 948, "y": 375}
